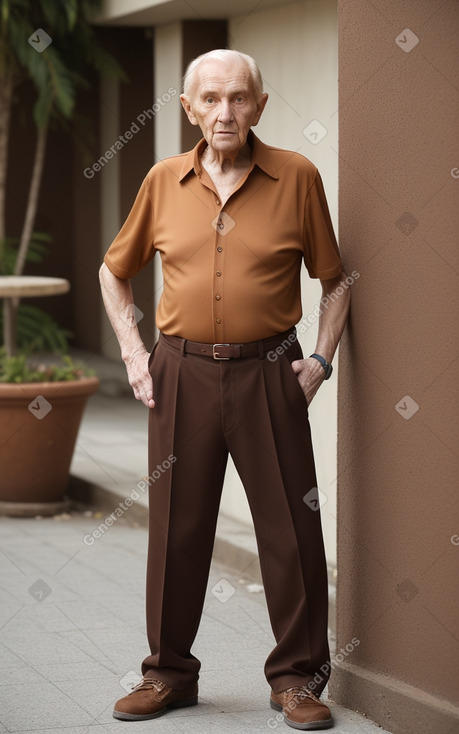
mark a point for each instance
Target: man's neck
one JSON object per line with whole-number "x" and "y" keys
{"x": 219, "y": 162}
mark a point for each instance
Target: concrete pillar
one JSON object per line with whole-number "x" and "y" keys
{"x": 167, "y": 73}
{"x": 398, "y": 541}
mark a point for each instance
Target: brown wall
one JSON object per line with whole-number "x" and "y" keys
{"x": 86, "y": 229}
{"x": 137, "y": 158}
{"x": 55, "y": 200}
{"x": 132, "y": 47}
{"x": 398, "y": 529}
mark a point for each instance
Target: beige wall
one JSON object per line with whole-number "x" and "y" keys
{"x": 296, "y": 48}
{"x": 168, "y": 73}
{"x": 398, "y": 419}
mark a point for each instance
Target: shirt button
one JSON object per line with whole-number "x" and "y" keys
{"x": 218, "y": 321}
{"x": 217, "y": 201}
{"x": 219, "y": 272}
{"x": 219, "y": 249}
{"x": 217, "y": 297}
{"x": 221, "y": 225}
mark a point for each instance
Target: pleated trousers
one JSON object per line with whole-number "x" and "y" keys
{"x": 254, "y": 409}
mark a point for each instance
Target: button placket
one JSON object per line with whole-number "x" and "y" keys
{"x": 218, "y": 279}
{"x": 221, "y": 224}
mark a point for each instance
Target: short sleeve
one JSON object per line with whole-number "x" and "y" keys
{"x": 133, "y": 247}
{"x": 321, "y": 254}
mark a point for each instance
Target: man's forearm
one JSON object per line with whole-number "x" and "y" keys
{"x": 333, "y": 318}
{"x": 119, "y": 305}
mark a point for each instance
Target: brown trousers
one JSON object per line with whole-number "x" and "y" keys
{"x": 255, "y": 409}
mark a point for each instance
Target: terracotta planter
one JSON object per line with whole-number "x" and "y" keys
{"x": 39, "y": 424}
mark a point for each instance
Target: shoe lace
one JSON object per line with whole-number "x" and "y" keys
{"x": 149, "y": 683}
{"x": 300, "y": 692}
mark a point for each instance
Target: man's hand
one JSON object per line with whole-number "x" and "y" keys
{"x": 333, "y": 315}
{"x": 140, "y": 378}
{"x": 119, "y": 301}
{"x": 310, "y": 374}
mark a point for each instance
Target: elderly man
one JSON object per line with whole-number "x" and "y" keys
{"x": 232, "y": 220}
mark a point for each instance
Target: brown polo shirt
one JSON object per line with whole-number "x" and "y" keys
{"x": 232, "y": 273}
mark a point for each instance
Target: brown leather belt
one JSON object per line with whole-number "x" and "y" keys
{"x": 231, "y": 350}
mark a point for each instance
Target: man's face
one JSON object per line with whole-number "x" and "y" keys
{"x": 222, "y": 102}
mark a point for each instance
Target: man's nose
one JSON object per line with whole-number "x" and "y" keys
{"x": 225, "y": 113}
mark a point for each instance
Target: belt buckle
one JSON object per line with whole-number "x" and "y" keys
{"x": 215, "y": 354}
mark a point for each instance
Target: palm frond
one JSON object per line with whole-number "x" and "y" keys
{"x": 36, "y": 253}
{"x": 60, "y": 81}
{"x": 37, "y": 331}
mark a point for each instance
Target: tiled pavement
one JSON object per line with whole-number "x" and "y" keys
{"x": 72, "y": 631}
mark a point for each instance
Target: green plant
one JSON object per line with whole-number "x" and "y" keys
{"x": 57, "y": 72}
{"x": 36, "y": 330}
{"x": 18, "y": 369}
{"x": 36, "y": 252}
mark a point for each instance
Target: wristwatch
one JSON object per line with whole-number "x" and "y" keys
{"x": 328, "y": 369}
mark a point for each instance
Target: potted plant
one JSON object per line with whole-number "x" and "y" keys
{"x": 51, "y": 44}
{"x": 41, "y": 406}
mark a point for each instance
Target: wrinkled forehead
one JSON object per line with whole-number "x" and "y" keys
{"x": 216, "y": 74}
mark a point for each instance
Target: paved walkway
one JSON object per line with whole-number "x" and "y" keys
{"x": 72, "y": 636}
{"x": 72, "y": 632}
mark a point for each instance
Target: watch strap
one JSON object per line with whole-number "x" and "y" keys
{"x": 328, "y": 369}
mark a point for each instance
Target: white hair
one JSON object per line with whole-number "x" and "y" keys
{"x": 223, "y": 54}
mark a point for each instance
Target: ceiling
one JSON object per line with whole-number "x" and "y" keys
{"x": 158, "y": 12}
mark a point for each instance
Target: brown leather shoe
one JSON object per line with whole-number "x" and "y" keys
{"x": 301, "y": 708}
{"x": 152, "y": 698}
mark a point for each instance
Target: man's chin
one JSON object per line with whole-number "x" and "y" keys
{"x": 228, "y": 141}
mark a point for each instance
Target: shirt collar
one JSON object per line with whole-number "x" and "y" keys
{"x": 261, "y": 157}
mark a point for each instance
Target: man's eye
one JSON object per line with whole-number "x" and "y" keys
{"x": 239, "y": 99}
{"x": 209, "y": 100}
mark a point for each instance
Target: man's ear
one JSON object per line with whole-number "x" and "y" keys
{"x": 260, "y": 107}
{"x": 186, "y": 104}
